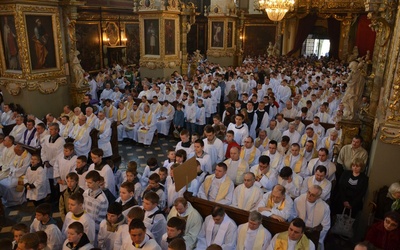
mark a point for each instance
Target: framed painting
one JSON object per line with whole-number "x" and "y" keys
{"x": 112, "y": 32}
{"x": 9, "y": 41}
{"x": 257, "y": 37}
{"x": 132, "y": 43}
{"x": 170, "y": 37}
{"x": 229, "y": 35}
{"x": 152, "y": 37}
{"x": 88, "y": 44}
{"x": 217, "y": 34}
{"x": 41, "y": 36}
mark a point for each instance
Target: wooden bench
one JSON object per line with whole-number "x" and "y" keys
{"x": 204, "y": 207}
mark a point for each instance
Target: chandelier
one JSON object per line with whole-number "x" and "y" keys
{"x": 276, "y": 9}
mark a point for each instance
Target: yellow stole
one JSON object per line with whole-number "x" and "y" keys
{"x": 304, "y": 140}
{"x": 102, "y": 125}
{"x": 327, "y": 143}
{"x": 18, "y": 162}
{"x": 66, "y": 129}
{"x": 149, "y": 118}
{"x": 135, "y": 116}
{"x": 259, "y": 241}
{"x": 311, "y": 183}
{"x": 297, "y": 166}
{"x": 89, "y": 121}
{"x": 121, "y": 114}
{"x": 223, "y": 189}
{"x": 110, "y": 112}
{"x": 129, "y": 105}
{"x": 283, "y": 238}
{"x": 249, "y": 202}
{"x": 18, "y": 129}
{"x": 78, "y": 135}
{"x": 252, "y": 154}
{"x": 270, "y": 203}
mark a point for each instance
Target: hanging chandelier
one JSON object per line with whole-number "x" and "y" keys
{"x": 276, "y": 9}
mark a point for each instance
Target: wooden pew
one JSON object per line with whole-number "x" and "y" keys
{"x": 204, "y": 207}
{"x": 7, "y": 129}
{"x": 114, "y": 143}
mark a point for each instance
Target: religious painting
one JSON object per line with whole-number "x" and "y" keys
{"x": 169, "y": 37}
{"x": 132, "y": 43}
{"x": 217, "y": 34}
{"x": 112, "y": 33}
{"x": 40, "y": 35}
{"x": 152, "y": 37}
{"x": 229, "y": 35}
{"x": 88, "y": 44}
{"x": 9, "y": 42}
{"x": 256, "y": 38}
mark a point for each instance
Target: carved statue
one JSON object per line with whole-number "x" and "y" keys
{"x": 77, "y": 70}
{"x": 355, "y": 87}
{"x": 276, "y": 49}
{"x": 354, "y": 55}
{"x": 270, "y": 49}
{"x": 231, "y": 7}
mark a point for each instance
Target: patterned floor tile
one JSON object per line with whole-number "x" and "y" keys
{"x": 26, "y": 218}
{"x": 6, "y": 230}
{"x": 149, "y": 152}
{"x": 13, "y": 213}
{"x": 160, "y": 155}
{"x": 129, "y": 154}
{"x": 141, "y": 157}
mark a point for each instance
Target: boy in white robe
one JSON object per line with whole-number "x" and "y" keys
{"x": 139, "y": 238}
{"x": 77, "y": 238}
{"x": 153, "y": 217}
{"x": 64, "y": 164}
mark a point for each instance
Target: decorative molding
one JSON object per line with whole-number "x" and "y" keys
{"x": 221, "y": 53}
{"x": 45, "y": 86}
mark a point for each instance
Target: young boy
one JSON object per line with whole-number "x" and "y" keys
{"x": 110, "y": 197}
{"x": 18, "y": 230}
{"x": 110, "y": 226}
{"x": 152, "y": 167}
{"x": 127, "y": 197}
{"x": 175, "y": 230}
{"x": 200, "y": 117}
{"x": 180, "y": 156}
{"x": 117, "y": 174}
{"x": 35, "y": 181}
{"x": 139, "y": 238}
{"x": 179, "y": 118}
{"x": 171, "y": 158}
{"x": 170, "y": 188}
{"x": 44, "y": 222}
{"x": 155, "y": 186}
{"x": 104, "y": 169}
{"x": 82, "y": 169}
{"x": 64, "y": 164}
{"x": 76, "y": 238}
{"x": 76, "y": 213}
{"x": 153, "y": 216}
{"x": 133, "y": 177}
{"x": 72, "y": 187}
{"x": 95, "y": 201}
{"x": 163, "y": 173}
{"x": 42, "y": 240}
{"x": 185, "y": 142}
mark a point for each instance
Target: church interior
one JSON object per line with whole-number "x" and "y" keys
{"x": 160, "y": 37}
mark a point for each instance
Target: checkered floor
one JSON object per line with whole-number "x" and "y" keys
{"x": 25, "y": 213}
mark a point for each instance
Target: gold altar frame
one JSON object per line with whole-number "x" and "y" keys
{"x": 150, "y": 19}
{"x": 100, "y": 37}
{"x": 22, "y": 12}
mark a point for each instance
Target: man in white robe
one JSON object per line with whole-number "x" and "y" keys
{"x": 241, "y": 130}
{"x": 7, "y": 156}
{"x": 213, "y": 146}
{"x": 265, "y": 176}
{"x": 90, "y": 118}
{"x": 19, "y": 129}
{"x": 7, "y": 116}
{"x": 291, "y": 181}
{"x": 247, "y": 195}
{"x": 273, "y": 154}
{"x": 276, "y": 204}
{"x": 249, "y": 153}
{"x": 202, "y": 156}
{"x": 281, "y": 123}
{"x": 292, "y": 133}
{"x": 110, "y": 110}
{"x": 253, "y": 235}
{"x": 147, "y": 126}
{"x": 318, "y": 129}
{"x": 139, "y": 238}
{"x": 133, "y": 123}
{"x": 165, "y": 116}
{"x": 103, "y": 125}
{"x": 329, "y": 142}
{"x": 183, "y": 209}
{"x": 217, "y": 187}
{"x": 314, "y": 211}
{"x": 122, "y": 120}
{"x": 273, "y": 132}
{"x": 308, "y": 152}
{"x": 218, "y": 229}
{"x": 294, "y": 160}
{"x": 321, "y": 160}
{"x": 309, "y": 136}
{"x": 12, "y": 187}
{"x": 29, "y": 134}
{"x": 81, "y": 135}
{"x": 319, "y": 178}
{"x": 292, "y": 239}
{"x": 65, "y": 127}
{"x": 237, "y": 167}
{"x": 261, "y": 142}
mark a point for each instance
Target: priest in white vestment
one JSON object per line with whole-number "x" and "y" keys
{"x": 324, "y": 161}
{"x": 247, "y": 195}
{"x": 253, "y": 235}
{"x": 81, "y": 135}
{"x": 294, "y": 160}
{"x": 291, "y": 181}
{"x": 103, "y": 125}
{"x": 122, "y": 120}
{"x": 19, "y": 129}
{"x": 218, "y": 229}
{"x": 236, "y": 166}
{"x": 213, "y": 145}
{"x": 164, "y": 118}
{"x": 133, "y": 123}
{"x": 90, "y": 118}
{"x": 273, "y": 132}
{"x": 7, "y": 156}
{"x": 266, "y": 177}
{"x": 319, "y": 178}
{"x": 273, "y": 154}
{"x": 292, "y": 133}
{"x": 65, "y": 127}
{"x": 147, "y": 126}
{"x": 249, "y": 153}
{"x": 329, "y": 142}
{"x": 261, "y": 142}
{"x": 276, "y": 204}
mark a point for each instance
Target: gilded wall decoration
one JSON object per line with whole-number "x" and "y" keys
{"x": 256, "y": 38}
{"x": 132, "y": 43}
{"x": 9, "y": 40}
{"x": 112, "y": 32}
{"x": 88, "y": 43}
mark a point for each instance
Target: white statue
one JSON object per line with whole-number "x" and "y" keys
{"x": 77, "y": 70}
{"x": 270, "y": 49}
{"x": 355, "y": 87}
{"x": 354, "y": 55}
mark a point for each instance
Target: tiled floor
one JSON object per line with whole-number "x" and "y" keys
{"x": 25, "y": 213}
{"x": 128, "y": 152}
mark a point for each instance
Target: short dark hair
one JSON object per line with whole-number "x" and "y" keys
{"x": 217, "y": 211}
{"x": 264, "y": 159}
{"x": 31, "y": 240}
{"x": 177, "y": 223}
{"x": 83, "y": 158}
{"x": 200, "y": 141}
{"x": 93, "y": 175}
{"x": 286, "y": 172}
{"x": 285, "y": 138}
{"x": 136, "y": 213}
{"x": 223, "y": 165}
{"x": 321, "y": 168}
{"x": 42, "y": 237}
{"x": 21, "y": 227}
{"x": 78, "y": 197}
{"x": 129, "y": 186}
{"x": 297, "y": 222}
{"x": 151, "y": 162}
{"x": 137, "y": 224}
{"x": 155, "y": 177}
{"x": 152, "y": 197}
{"x": 177, "y": 244}
{"x": 74, "y": 176}
{"x": 44, "y": 209}
{"x": 97, "y": 151}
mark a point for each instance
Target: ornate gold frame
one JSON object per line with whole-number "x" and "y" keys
{"x": 100, "y": 40}
{"x": 118, "y": 33}
{"x": 223, "y": 51}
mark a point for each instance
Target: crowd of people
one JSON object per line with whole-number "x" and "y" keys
{"x": 246, "y": 128}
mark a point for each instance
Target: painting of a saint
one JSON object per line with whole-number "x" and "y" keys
{"x": 88, "y": 44}
{"x": 10, "y": 45}
{"x": 152, "y": 46}
{"x": 132, "y": 43}
{"x": 217, "y": 34}
{"x": 41, "y": 41}
{"x": 170, "y": 37}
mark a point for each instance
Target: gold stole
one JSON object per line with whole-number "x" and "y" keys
{"x": 304, "y": 140}
{"x": 327, "y": 143}
{"x": 18, "y": 129}
{"x": 110, "y": 112}
{"x": 275, "y": 162}
{"x": 89, "y": 121}
{"x": 297, "y": 166}
{"x": 265, "y": 142}
{"x": 283, "y": 244}
{"x": 270, "y": 203}
{"x": 122, "y": 116}
{"x": 66, "y": 129}
{"x": 149, "y": 118}
{"x": 252, "y": 154}
{"x": 78, "y": 135}
{"x": 102, "y": 125}
{"x": 259, "y": 241}
{"x": 310, "y": 183}
{"x": 129, "y": 105}
{"x": 18, "y": 162}
{"x": 223, "y": 189}
{"x": 136, "y": 116}
{"x": 248, "y": 204}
